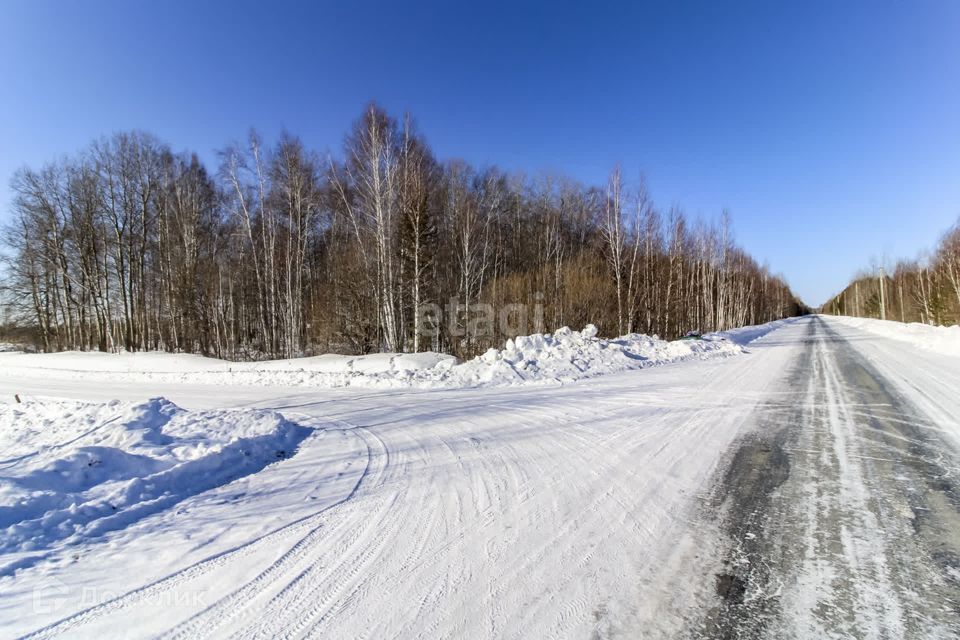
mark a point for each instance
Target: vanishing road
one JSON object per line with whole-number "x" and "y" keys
{"x": 805, "y": 489}
{"x": 842, "y": 509}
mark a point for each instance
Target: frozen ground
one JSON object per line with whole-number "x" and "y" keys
{"x": 803, "y": 488}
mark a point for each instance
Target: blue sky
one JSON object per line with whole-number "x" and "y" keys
{"x": 830, "y": 130}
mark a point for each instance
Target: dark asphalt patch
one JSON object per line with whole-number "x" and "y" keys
{"x": 743, "y": 498}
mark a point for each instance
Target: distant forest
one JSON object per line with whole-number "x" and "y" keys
{"x": 925, "y": 290}
{"x": 280, "y": 251}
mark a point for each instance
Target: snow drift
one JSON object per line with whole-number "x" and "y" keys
{"x": 567, "y": 355}
{"x": 73, "y": 470}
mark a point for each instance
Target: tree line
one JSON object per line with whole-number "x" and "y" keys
{"x": 925, "y": 290}
{"x": 281, "y": 251}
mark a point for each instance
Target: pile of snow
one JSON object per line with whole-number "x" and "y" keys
{"x": 567, "y": 355}
{"x": 944, "y": 340}
{"x": 562, "y": 356}
{"x": 71, "y": 470}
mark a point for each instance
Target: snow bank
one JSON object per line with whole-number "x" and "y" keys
{"x": 944, "y": 340}
{"x": 562, "y": 356}
{"x": 746, "y": 335}
{"x": 72, "y": 470}
{"x": 567, "y": 355}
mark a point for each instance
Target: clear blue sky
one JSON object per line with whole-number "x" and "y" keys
{"x": 831, "y": 130}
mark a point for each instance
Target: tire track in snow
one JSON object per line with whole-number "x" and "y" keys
{"x": 311, "y": 523}
{"x": 288, "y": 566}
{"x": 552, "y": 492}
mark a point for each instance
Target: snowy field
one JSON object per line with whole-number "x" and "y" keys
{"x": 564, "y": 486}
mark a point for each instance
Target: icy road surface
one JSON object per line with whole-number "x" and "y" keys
{"x": 807, "y": 488}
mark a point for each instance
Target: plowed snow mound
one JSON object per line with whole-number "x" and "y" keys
{"x": 75, "y": 470}
{"x": 567, "y": 355}
{"x": 562, "y": 356}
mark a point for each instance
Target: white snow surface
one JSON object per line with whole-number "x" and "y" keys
{"x": 562, "y": 356}
{"x": 936, "y": 339}
{"x": 923, "y": 361}
{"x": 75, "y": 470}
{"x": 504, "y": 507}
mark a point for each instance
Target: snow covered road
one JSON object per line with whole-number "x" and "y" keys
{"x": 842, "y": 507}
{"x": 805, "y": 488}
